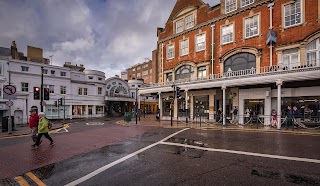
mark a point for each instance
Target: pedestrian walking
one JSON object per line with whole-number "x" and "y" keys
{"x": 43, "y": 130}
{"x": 297, "y": 117}
{"x": 235, "y": 116}
{"x": 33, "y": 124}
{"x": 289, "y": 120}
{"x": 274, "y": 119}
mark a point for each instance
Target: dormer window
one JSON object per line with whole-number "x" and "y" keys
{"x": 179, "y": 26}
{"x": 246, "y": 2}
{"x": 231, "y": 5}
{"x": 189, "y": 21}
{"x": 185, "y": 23}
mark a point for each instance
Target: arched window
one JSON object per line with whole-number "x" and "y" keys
{"x": 313, "y": 52}
{"x": 240, "y": 61}
{"x": 184, "y": 72}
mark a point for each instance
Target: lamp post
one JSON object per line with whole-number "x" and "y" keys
{"x": 41, "y": 91}
{"x": 136, "y": 106}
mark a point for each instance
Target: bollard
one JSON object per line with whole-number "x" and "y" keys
{"x": 9, "y": 125}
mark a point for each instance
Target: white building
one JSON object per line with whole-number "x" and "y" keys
{"x": 82, "y": 92}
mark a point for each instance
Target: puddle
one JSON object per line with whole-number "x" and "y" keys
{"x": 46, "y": 171}
{"x": 291, "y": 178}
{"x": 191, "y": 153}
{"x": 188, "y": 142}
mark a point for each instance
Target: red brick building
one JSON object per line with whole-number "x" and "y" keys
{"x": 239, "y": 53}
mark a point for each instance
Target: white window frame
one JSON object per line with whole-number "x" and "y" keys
{"x": 45, "y": 71}
{"x": 229, "y": 4}
{"x": 24, "y": 87}
{"x": 179, "y": 25}
{"x": 138, "y": 74}
{"x": 315, "y": 51}
{"x": 184, "y": 47}
{"x": 244, "y": 3}
{"x": 189, "y": 21}
{"x": 79, "y": 91}
{"x": 202, "y": 73}
{"x": 200, "y": 42}
{"x": 287, "y": 9}
{"x": 224, "y": 28}
{"x": 63, "y": 74}
{"x": 249, "y": 23}
{"x": 63, "y": 89}
{"x": 170, "y": 51}
{"x": 145, "y": 72}
{"x": 290, "y": 56}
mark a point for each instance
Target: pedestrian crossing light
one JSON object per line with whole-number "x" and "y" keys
{"x": 178, "y": 91}
{"x": 46, "y": 94}
{"x": 36, "y": 93}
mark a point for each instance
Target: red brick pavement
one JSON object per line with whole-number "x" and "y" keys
{"x": 20, "y": 158}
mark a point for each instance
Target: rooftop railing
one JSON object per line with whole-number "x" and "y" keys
{"x": 274, "y": 69}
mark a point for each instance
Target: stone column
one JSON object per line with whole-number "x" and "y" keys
{"x": 279, "y": 84}
{"x": 211, "y": 106}
{"x": 224, "y": 105}
{"x": 160, "y": 104}
{"x": 191, "y": 97}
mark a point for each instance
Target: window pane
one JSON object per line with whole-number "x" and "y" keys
{"x": 292, "y": 14}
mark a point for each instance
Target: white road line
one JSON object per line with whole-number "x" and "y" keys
{"x": 98, "y": 171}
{"x": 244, "y": 153}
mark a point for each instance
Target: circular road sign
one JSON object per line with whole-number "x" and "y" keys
{"x": 9, "y": 103}
{"x": 9, "y": 89}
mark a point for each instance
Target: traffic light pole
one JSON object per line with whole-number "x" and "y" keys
{"x": 41, "y": 91}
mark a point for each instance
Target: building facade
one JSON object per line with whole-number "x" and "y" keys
{"x": 139, "y": 71}
{"x": 257, "y": 55}
{"x": 82, "y": 93}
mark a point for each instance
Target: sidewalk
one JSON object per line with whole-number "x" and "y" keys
{"x": 150, "y": 120}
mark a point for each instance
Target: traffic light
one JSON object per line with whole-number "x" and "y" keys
{"x": 60, "y": 101}
{"x": 46, "y": 94}
{"x": 56, "y": 103}
{"x": 178, "y": 91}
{"x": 36, "y": 93}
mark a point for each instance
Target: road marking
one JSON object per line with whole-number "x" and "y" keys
{"x": 21, "y": 181}
{"x": 98, "y": 171}
{"x": 244, "y": 153}
{"x": 35, "y": 179}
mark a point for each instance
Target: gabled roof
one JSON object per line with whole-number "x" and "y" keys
{"x": 181, "y": 4}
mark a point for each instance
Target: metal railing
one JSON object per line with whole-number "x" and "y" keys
{"x": 274, "y": 69}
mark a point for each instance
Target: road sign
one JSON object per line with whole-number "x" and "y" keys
{"x": 6, "y": 96}
{"x": 9, "y": 103}
{"x": 9, "y": 89}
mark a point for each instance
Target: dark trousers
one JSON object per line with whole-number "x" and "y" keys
{"x": 289, "y": 122}
{"x": 40, "y": 136}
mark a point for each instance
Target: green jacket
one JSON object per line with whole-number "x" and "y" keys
{"x": 43, "y": 125}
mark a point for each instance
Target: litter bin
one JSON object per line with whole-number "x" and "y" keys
{"x": 127, "y": 116}
{"x": 5, "y": 123}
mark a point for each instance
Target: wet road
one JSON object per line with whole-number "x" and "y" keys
{"x": 190, "y": 157}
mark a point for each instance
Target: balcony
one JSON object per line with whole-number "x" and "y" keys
{"x": 263, "y": 75}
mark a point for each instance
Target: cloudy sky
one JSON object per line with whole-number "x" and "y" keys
{"x": 106, "y": 35}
